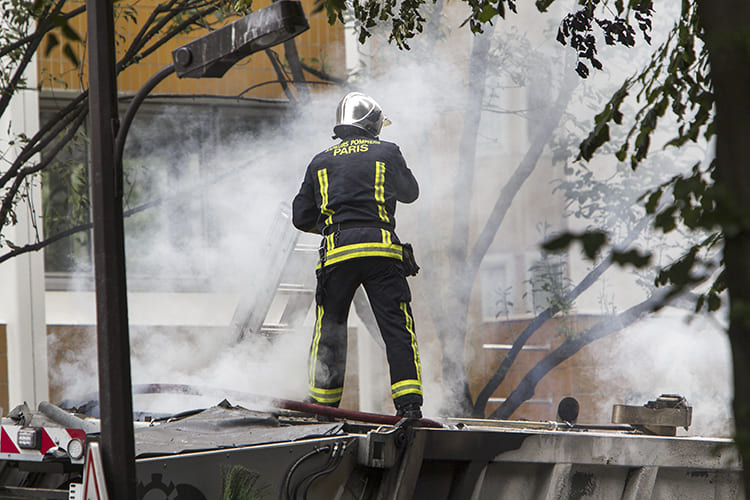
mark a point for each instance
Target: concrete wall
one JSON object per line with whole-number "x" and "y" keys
{"x": 22, "y": 277}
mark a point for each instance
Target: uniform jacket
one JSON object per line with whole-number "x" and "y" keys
{"x": 357, "y": 181}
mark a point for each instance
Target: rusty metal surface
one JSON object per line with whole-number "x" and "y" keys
{"x": 641, "y": 415}
{"x": 221, "y": 427}
{"x": 468, "y": 463}
{"x": 291, "y": 455}
{"x": 661, "y": 416}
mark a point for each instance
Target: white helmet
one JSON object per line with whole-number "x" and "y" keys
{"x": 360, "y": 111}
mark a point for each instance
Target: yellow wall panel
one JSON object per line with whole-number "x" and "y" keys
{"x": 321, "y": 42}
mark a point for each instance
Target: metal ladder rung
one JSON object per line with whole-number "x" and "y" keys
{"x": 294, "y": 288}
{"x": 528, "y": 401}
{"x": 508, "y": 347}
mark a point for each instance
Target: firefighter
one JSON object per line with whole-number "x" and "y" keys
{"x": 349, "y": 196}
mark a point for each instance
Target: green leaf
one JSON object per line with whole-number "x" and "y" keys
{"x": 560, "y": 242}
{"x": 714, "y": 302}
{"x": 665, "y": 219}
{"x": 69, "y": 32}
{"x": 599, "y": 136}
{"x": 633, "y": 256}
{"x": 653, "y": 201}
{"x": 622, "y": 153}
{"x": 51, "y": 43}
{"x": 487, "y": 13}
{"x": 679, "y": 273}
{"x": 699, "y": 303}
{"x": 592, "y": 242}
{"x": 543, "y": 5}
{"x": 642, "y": 143}
{"x": 70, "y": 54}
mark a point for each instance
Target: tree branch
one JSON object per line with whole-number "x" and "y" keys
{"x": 467, "y": 149}
{"x": 283, "y": 80}
{"x": 40, "y": 31}
{"x": 280, "y": 82}
{"x": 27, "y": 56}
{"x": 295, "y": 66}
{"x": 18, "y": 250}
{"x": 525, "y": 389}
{"x": 176, "y": 31}
{"x": 45, "y": 135}
{"x": 322, "y": 74}
{"x": 498, "y": 377}
{"x": 523, "y": 171}
{"x": 22, "y": 173}
{"x": 137, "y": 42}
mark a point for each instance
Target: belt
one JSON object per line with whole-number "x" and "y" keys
{"x": 335, "y": 228}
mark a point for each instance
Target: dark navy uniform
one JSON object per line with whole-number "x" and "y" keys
{"x": 349, "y": 195}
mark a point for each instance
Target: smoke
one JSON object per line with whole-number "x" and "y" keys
{"x": 252, "y": 178}
{"x": 212, "y": 237}
{"x": 671, "y": 353}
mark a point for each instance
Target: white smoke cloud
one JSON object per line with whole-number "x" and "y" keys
{"x": 671, "y": 353}
{"x": 421, "y": 91}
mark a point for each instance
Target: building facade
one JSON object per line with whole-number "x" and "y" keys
{"x": 207, "y": 174}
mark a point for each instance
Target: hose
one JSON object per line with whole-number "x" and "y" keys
{"x": 333, "y": 462}
{"x": 290, "y": 472}
{"x": 334, "y": 459}
{"x": 66, "y": 419}
{"x": 329, "y": 411}
{"x": 287, "y": 404}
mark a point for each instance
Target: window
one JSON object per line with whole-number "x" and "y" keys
{"x": 168, "y": 177}
{"x": 548, "y": 282}
{"x": 499, "y": 291}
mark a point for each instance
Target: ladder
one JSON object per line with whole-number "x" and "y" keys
{"x": 289, "y": 273}
{"x": 287, "y": 269}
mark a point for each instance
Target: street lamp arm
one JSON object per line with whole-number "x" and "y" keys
{"x": 138, "y": 99}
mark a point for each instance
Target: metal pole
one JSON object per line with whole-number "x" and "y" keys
{"x": 115, "y": 398}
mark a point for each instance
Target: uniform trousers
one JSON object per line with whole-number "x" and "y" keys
{"x": 389, "y": 295}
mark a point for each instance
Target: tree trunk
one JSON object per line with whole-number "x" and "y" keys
{"x": 525, "y": 389}
{"x": 727, "y": 36}
{"x": 295, "y": 66}
{"x": 464, "y": 264}
{"x": 591, "y": 277}
{"x": 452, "y": 333}
{"x": 454, "y": 282}
{"x": 467, "y": 149}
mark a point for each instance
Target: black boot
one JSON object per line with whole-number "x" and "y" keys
{"x": 410, "y": 411}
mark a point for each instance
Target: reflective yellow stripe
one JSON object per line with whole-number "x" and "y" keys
{"x": 409, "y": 386}
{"x": 326, "y": 395}
{"x": 373, "y": 249}
{"x": 321, "y": 397}
{"x": 380, "y": 190}
{"x": 329, "y": 242}
{"x": 403, "y": 387}
{"x": 386, "y": 236}
{"x": 323, "y": 181}
{"x": 315, "y": 342}
{"x": 402, "y": 383}
{"x": 325, "y": 400}
{"x": 414, "y": 348}
{"x": 326, "y": 392}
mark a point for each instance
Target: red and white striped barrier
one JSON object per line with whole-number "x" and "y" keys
{"x": 31, "y": 444}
